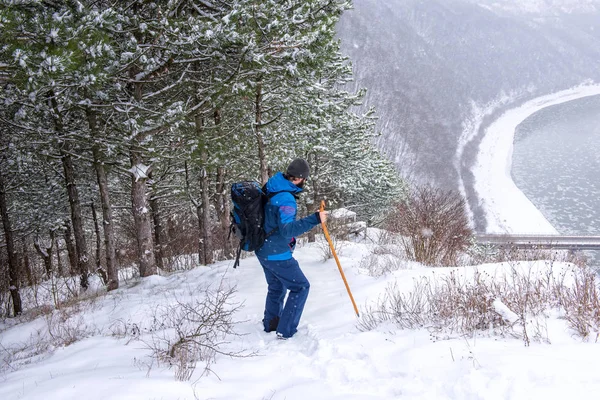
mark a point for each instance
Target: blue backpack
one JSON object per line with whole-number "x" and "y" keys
{"x": 248, "y": 216}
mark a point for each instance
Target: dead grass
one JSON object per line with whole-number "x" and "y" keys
{"x": 62, "y": 328}
{"x": 516, "y": 304}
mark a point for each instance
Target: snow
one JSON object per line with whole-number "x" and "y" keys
{"x": 53, "y": 35}
{"x": 343, "y": 213}
{"x": 505, "y": 312}
{"x": 139, "y": 171}
{"x": 329, "y": 358}
{"x": 471, "y": 127}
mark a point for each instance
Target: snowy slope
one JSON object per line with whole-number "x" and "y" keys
{"x": 329, "y": 358}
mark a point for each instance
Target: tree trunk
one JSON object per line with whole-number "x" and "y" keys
{"x": 201, "y": 250}
{"x": 59, "y": 264}
{"x": 222, "y": 201}
{"x": 315, "y": 195}
{"x": 198, "y": 212}
{"x": 312, "y": 234}
{"x": 99, "y": 269}
{"x": 76, "y": 218}
{"x": 158, "y": 232}
{"x": 223, "y": 209}
{"x": 107, "y": 218}
{"x": 262, "y": 158}
{"x": 46, "y": 253}
{"x": 98, "y": 237}
{"x": 71, "y": 251}
{"x": 207, "y": 247}
{"x": 141, "y": 215}
{"x": 26, "y": 265}
{"x": 13, "y": 263}
{"x": 80, "y": 242}
{"x": 140, "y": 206}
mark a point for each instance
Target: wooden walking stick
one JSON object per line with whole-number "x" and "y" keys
{"x": 326, "y": 232}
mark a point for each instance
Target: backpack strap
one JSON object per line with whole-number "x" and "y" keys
{"x": 269, "y": 197}
{"x": 237, "y": 257}
{"x": 230, "y": 225}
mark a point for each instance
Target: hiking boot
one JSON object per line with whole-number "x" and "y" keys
{"x": 272, "y": 325}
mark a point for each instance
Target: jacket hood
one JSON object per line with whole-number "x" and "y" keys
{"x": 278, "y": 183}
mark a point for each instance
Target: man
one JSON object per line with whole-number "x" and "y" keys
{"x": 281, "y": 269}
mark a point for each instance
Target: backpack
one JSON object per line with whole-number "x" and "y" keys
{"x": 248, "y": 216}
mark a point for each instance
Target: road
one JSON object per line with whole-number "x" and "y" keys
{"x": 542, "y": 241}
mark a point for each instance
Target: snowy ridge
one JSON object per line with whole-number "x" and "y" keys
{"x": 507, "y": 209}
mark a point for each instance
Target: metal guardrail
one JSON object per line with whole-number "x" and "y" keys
{"x": 564, "y": 242}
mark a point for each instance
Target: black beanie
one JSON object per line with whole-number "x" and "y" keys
{"x": 298, "y": 168}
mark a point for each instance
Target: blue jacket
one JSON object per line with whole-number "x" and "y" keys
{"x": 280, "y": 214}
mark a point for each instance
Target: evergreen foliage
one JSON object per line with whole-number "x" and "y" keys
{"x": 169, "y": 102}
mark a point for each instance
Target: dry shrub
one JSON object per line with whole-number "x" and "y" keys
{"x": 18, "y": 355}
{"x": 63, "y": 327}
{"x": 325, "y": 247}
{"x": 188, "y": 332}
{"x": 452, "y": 306}
{"x": 382, "y": 264}
{"x": 385, "y": 258}
{"x": 388, "y": 256}
{"x": 465, "y": 306}
{"x": 433, "y": 225}
{"x": 124, "y": 329}
{"x": 581, "y": 303}
{"x": 338, "y": 233}
{"x": 515, "y": 304}
{"x": 184, "y": 262}
{"x": 182, "y": 239}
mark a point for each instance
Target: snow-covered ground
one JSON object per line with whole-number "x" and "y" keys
{"x": 329, "y": 358}
{"x": 507, "y": 209}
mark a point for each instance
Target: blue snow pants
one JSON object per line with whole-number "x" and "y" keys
{"x": 284, "y": 275}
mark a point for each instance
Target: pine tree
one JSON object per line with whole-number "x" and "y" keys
{"x": 43, "y": 62}
{"x": 302, "y": 109}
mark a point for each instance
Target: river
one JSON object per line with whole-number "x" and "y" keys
{"x": 556, "y": 164}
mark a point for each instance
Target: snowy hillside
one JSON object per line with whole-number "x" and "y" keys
{"x": 329, "y": 358}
